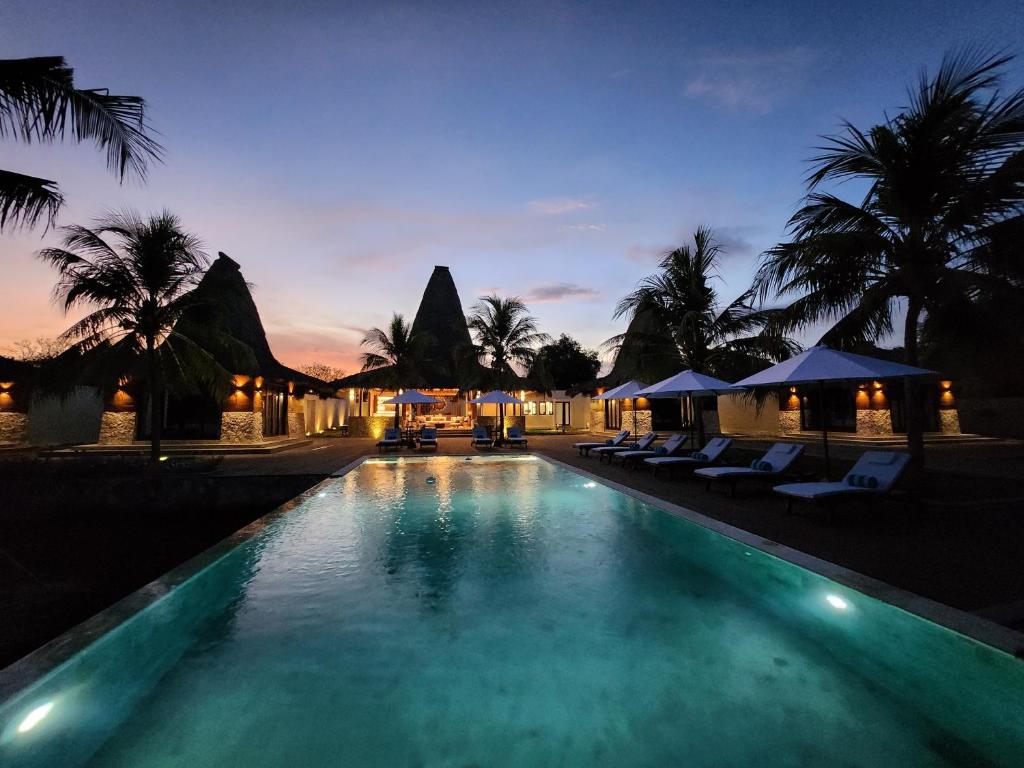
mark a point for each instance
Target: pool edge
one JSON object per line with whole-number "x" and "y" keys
{"x": 30, "y": 669}
{"x": 974, "y": 627}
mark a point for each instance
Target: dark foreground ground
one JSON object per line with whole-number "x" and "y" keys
{"x": 78, "y": 534}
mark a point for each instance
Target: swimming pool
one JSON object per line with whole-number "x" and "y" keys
{"x": 510, "y": 612}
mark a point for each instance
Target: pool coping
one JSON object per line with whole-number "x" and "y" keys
{"x": 39, "y": 663}
{"x": 34, "y": 667}
{"x": 956, "y": 620}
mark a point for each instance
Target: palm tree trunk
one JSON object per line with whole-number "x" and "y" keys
{"x": 156, "y": 402}
{"x": 913, "y": 401}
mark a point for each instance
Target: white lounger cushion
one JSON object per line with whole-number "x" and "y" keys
{"x": 642, "y": 445}
{"x": 670, "y": 446}
{"x": 715, "y": 448}
{"x": 885, "y": 467}
{"x": 619, "y": 438}
{"x": 781, "y": 456}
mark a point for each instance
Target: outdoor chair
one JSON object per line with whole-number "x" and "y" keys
{"x": 670, "y": 447}
{"x": 428, "y": 438}
{"x": 773, "y": 465}
{"x": 709, "y": 454}
{"x": 392, "y": 439}
{"x": 643, "y": 444}
{"x": 515, "y": 438}
{"x": 481, "y": 439}
{"x": 873, "y": 476}
{"x": 584, "y": 449}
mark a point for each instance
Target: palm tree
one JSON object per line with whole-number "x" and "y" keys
{"x": 505, "y": 332}
{"x": 39, "y": 102}
{"x": 136, "y": 275}
{"x": 397, "y": 354}
{"x": 728, "y": 342}
{"x": 942, "y": 212}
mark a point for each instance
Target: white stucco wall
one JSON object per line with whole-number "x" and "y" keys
{"x": 738, "y": 414}
{"x": 71, "y": 419}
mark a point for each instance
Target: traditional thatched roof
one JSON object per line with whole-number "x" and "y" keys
{"x": 646, "y": 354}
{"x": 440, "y": 316}
{"x": 224, "y": 306}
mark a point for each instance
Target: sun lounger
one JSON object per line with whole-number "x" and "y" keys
{"x": 709, "y": 454}
{"x": 515, "y": 437}
{"x": 584, "y": 449}
{"x": 873, "y": 475}
{"x": 642, "y": 444}
{"x": 670, "y": 447}
{"x": 481, "y": 439}
{"x": 428, "y": 438}
{"x": 392, "y": 439}
{"x": 772, "y": 466}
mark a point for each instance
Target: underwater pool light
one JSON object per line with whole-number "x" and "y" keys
{"x": 33, "y": 718}
{"x": 591, "y": 484}
{"x": 837, "y": 602}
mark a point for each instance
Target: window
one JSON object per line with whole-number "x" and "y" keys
{"x": 530, "y": 408}
{"x": 547, "y": 408}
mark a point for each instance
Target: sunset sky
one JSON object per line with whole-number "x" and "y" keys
{"x": 549, "y": 150}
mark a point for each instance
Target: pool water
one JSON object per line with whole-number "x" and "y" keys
{"x": 510, "y": 612}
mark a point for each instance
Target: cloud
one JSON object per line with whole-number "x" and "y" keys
{"x": 585, "y": 227}
{"x": 557, "y": 206}
{"x": 752, "y": 83}
{"x": 558, "y": 292}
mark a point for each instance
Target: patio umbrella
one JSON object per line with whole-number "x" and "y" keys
{"x": 820, "y": 364}
{"x": 499, "y": 398}
{"x": 628, "y": 391}
{"x": 412, "y": 397}
{"x": 687, "y": 384}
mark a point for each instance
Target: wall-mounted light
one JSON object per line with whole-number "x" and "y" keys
{"x": 6, "y": 384}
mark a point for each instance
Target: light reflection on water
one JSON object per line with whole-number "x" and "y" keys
{"x": 514, "y": 613}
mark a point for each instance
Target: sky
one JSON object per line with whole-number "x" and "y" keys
{"x": 549, "y": 150}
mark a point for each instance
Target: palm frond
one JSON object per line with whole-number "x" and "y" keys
{"x": 24, "y": 200}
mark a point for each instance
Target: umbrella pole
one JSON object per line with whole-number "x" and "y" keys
{"x": 824, "y": 429}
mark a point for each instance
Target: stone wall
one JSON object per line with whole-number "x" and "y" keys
{"x": 949, "y": 421}
{"x": 597, "y": 415}
{"x": 789, "y": 421}
{"x": 296, "y": 423}
{"x": 13, "y": 426}
{"x": 241, "y": 427}
{"x": 637, "y": 422}
{"x": 117, "y": 428}
{"x": 874, "y": 422}
{"x": 369, "y": 426}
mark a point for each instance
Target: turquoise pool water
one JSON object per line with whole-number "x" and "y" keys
{"x": 444, "y": 612}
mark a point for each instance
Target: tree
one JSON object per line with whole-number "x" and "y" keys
{"x": 39, "y": 102}
{"x": 941, "y": 217}
{"x": 564, "y": 364}
{"x": 322, "y": 371}
{"x": 505, "y": 332}
{"x": 728, "y": 342}
{"x": 397, "y": 354}
{"x": 39, "y": 350}
{"x": 136, "y": 275}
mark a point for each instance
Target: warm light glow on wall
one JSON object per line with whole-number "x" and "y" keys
{"x": 6, "y": 401}
{"x": 862, "y": 398}
{"x": 258, "y": 381}
{"x": 6, "y": 384}
{"x": 122, "y": 399}
{"x": 239, "y": 380}
{"x": 945, "y": 384}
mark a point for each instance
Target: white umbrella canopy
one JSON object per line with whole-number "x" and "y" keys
{"x": 411, "y": 397}
{"x": 627, "y": 391}
{"x": 687, "y": 383}
{"x": 821, "y": 364}
{"x": 414, "y": 397}
{"x": 497, "y": 397}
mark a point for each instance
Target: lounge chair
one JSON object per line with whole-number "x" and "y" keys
{"x": 515, "y": 437}
{"x": 428, "y": 438}
{"x": 872, "y": 476}
{"x": 772, "y": 466}
{"x": 670, "y": 447}
{"x": 481, "y": 439}
{"x": 642, "y": 444}
{"x": 584, "y": 449}
{"x": 392, "y": 439}
{"x": 709, "y": 454}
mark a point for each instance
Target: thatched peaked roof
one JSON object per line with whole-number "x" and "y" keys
{"x": 441, "y": 316}
{"x": 224, "y": 305}
{"x": 646, "y": 354}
